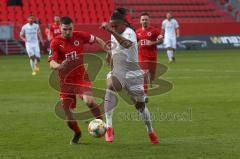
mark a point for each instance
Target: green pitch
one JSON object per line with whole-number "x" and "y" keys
{"x": 198, "y": 119}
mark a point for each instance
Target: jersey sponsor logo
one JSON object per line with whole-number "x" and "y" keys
{"x": 76, "y": 43}
{"x": 71, "y": 56}
{"x": 144, "y": 42}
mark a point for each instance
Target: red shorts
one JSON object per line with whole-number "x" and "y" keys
{"x": 149, "y": 65}
{"x": 70, "y": 90}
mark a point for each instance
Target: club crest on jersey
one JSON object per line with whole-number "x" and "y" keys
{"x": 149, "y": 34}
{"x": 76, "y": 43}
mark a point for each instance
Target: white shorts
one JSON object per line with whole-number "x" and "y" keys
{"x": 170, "y": 42}
{"x": 33, "y": 50}
{"x": 132, "y": 84}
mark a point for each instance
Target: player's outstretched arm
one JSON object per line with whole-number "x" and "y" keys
{"x": 106, "y": 48}
{"x": 122, "y": 41}
{"x": 102, "y": 44}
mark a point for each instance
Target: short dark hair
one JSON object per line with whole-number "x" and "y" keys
{"x": 117, "y": 16}
{"x": 144, "y": 14}
{"x": 66, "y": 20}
{"x": 123, "y": 11}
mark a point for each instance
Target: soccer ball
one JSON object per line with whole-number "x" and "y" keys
{"x": 97, "y": 128}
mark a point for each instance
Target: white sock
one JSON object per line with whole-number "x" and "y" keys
{"x": 170, "y": 54}
{"x": 108, "y": 116}
{"x": 109, "y": 105}
{"x": 35, "y": 62}
{"x": 145, "y": 114}
{"x": 32, "y": 63}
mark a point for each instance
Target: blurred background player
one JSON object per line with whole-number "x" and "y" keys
{"x": 67, "y": 50}
{"x": 52, "y": 31}
{"x": 148, "y": 37}
{"x": 170, "y": 31}
{"x": 126, "y": 74}
{"x": 30, "y": 33}
{"x": 55, "y": 28}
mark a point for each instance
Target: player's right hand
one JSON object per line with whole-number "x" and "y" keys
{"x": 106, "y": 26}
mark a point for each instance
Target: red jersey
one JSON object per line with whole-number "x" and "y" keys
{"x": 71, "y": 50}
{"x": 151, "y": 33}
{"x": 55, "y": 30}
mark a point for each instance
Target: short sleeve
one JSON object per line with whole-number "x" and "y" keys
{"x": 130, "y": 35}
{"x": 176, "y": 24}
{"x": 87, "y": 38}
{"x": 22, "y": 32}
{"x": 53, "y": 53}
{"x": 38, "y": 29}
{"x": 163, "y": 24}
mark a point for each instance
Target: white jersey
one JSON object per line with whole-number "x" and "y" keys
{"x": 31, "y": 33}
{"x": 170, "y": 27}
{"x": 125, "y": 60}
{"x": 132, "y": 52}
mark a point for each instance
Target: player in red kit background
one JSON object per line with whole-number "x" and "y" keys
{"x": 55, "y": 28}
{"x": 148, "y": 37}
{"x": 66, "y": 56}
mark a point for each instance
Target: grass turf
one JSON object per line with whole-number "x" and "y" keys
{"x": 206, "y": 90}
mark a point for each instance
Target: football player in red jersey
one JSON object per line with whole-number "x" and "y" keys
{"x": 55, "y": 28}
{"x": 66, "y": 56}
{"x": 148, "y": 37}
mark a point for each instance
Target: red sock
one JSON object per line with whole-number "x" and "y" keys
{"x": 145, "y": 86}
{"x": 74, "y": 126}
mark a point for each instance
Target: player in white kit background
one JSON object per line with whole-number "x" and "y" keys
{"x": 30, "y": 33}
{"x": 126, "y": 74}
{"x": 170, "y": 31}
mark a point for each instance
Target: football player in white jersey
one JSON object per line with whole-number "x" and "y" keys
{"x": 170, "y": 31}
{"x": 30, "y": 33}
{"x": 126, "y": 74}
